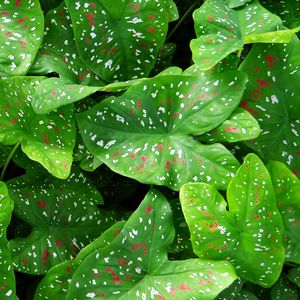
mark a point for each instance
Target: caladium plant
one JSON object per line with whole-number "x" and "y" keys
{"x": 108, "y": 109}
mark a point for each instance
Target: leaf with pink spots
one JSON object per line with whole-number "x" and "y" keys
{"x": 147, "y": 133}
{"x": 135, "y": 264}
{"x": 21, "y": 34}
{"x": 121, "y": 41}
{"x": 287, "y": 189}
{"x": 249, "y": 233}
{"x": 272, "y": 98}
{"x": 7, "y": 276}
{"x": 55, "y": 284}
{"x": 63, "y": 215}
{"x": 48, "y": 139}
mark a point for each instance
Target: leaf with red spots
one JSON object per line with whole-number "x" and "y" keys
{"x": 21, "y": 34}
{"x": 222, "y": 30}
{"x": 48, "y": 139}
{"x": 56, "y": 282}
{"x": 121, "y": 41}
{"x": 272, "y": 98}
{"x": 240, "y": 126}
{"x": 64, "y": 217}
{"x": 146, "y": 133}
{"x": 7, "y": 276}
{"x": 287, "y": 189}
{"x": 135, "y": 264}
{"x": 58, "y": 52}
{"x": 249, "y": 234}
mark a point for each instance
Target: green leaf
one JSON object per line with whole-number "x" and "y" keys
{"x": 135, "y": 265}
{"x": 7, "y": 276}
{"x": 240, "y": 126}
{"x": 287, "y": 189}
{"x": 121, "y": 41}
{"x": 271, "y": 97}
{"x": 49, "y": 4}
{"x": 237, "y": 3}
{"x": 58, "y": 52}
{"x": 221, "y": 30}
{"x": 47, "y": 139}
{"x": 64, "y": 217}
{"x": 146, "y": 133}
{"x": 284, "y": 289}
{"x": 249, "y": 234}
{"x": 294, "y": 275}
{"x": 21, "y": 27}
{"x": 56, "y": 282}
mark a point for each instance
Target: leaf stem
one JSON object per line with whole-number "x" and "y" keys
{"x": 181, "y": 20}
{"x": 11, "y": 154}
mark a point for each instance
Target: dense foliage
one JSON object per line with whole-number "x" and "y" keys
{"x": 150, "y": 149}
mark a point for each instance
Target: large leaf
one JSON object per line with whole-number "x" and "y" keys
{"x": 7, "y": 276}
{"x": 146, "y": 133}
{"x": 135, "y": 265}
{"x": 121, "y": 41}
{"x": 21, "y": 27}
{"x": 294, "y": 275}
{"x": 287, "y": 189}
{"x": 284, "y": 289}
{"x": 272, "y": 98}
{"x": 249, "y": 234}
{"x": 55, "y": 284}
{"x": 47, "y": 139}
{"x": 64, "y": 218}
{"x": 58, "y": 52}
{"x": 222, "y": 30}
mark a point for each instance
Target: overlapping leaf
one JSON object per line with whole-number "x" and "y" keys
{"x": 146, "y": 133}
{"x": 21, "y": 28}
{"x": 284, "y": 289}
{"x": 7, "y": 276}
{"x": 237, "y": 3}
{"x": 294, "y": 275}
{"x": 121, "y": 41}
{"x": 271, "y": 97}
{"x": 48, "y": 139}
{"x": 249, "y": 234}
{"x": 64, "y": 218}
{"x": 287, "y": 189}
{"x": 135, "y": 265}
{"x": 222, "y": 30}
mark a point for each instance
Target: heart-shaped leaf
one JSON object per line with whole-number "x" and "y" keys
{"x": 21, "y": 27}
{"x": 121, "y": 41}
{"x": 287, "y": 189}
{"x": 284, "y": 289}
{"x": 146, "y": 133}
{"x": 219, "y": 36}
{"x": 135, "y": 265}
{"x": 58, "y": 52}
{"x": 64, "y": 218}
{"x": 7, "y": 276}
{"x": 55, "y": 284}
{"x": 47, "y": 139}
{"x": 249, "y": 234}
{"x": 294, "y": 275}
{"x": 271, "y": 97}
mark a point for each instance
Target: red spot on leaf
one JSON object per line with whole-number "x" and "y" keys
{"x": 18, "y": 3}
{"x": 5, "y": 13}
{"x": 8, "y": 33}
{"x": 68, "y": 269}
{"x": 22, "y": 20}
{"x": 148, "y": 210}
{"x": 132, "y": 155}
{"x": 232, "y": 129}
{"x": 41, "y": 203}
{"x": 210, "y": 18}
{"x": 90, "y": 16}
{"x": 168, "y": 165}
{"x": 45, "y": 257}
{"x": 116, "y": 153}
{"x": 151, "y": 30}
{"x": 256, "y": 217}
{"x": 144, "y": 158}
{"x": 261, "y": 84}
{"x": 139, "y": 104}
{"x": 298, "y": 153}
{"x": 151, "y": 17}
{"x": 136, "y": 8}
{"x": 24, "y": 261}
{"x": 143, "y": 46}
{"x": 103, "y": 295}
{"x": 160, "y": 147}
{"x": 92, "y": 23}
{"x": 22, "y": 43}
{"x": 252, "y": 111}
{"x": 93, "y": 5}
{"x": 270, "y": 60}
{"x": 59, "y": 243}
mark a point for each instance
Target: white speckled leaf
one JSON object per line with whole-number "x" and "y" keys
{"x": 47, "y": 139}
{"x": 64, "y": 217}
{"x": 7, "y": 276}
{"x": 284, "y": 289}
{"x": 55, "y": 284}
{"x": 272, "y": 97}
{"x": 146, "y": 133}
{"x": 249, "y": 234}
{"x": 239, "y": 127}
{"x": 221, "y": 30}
{"x": 135, "y": 264}
{"x": 287, "y": 189}
{"x": 121, "y": 41}
{"x": 294, "y": 275}
{"x": 237, "y": 3}
{"x": 21, "y": 34}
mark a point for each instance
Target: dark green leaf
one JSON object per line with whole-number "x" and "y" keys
{"x": 284, "y": 289}
{"x": 294, "y": 276}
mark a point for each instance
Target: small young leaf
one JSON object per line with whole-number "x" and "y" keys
{"x": 135, "y": 265}
{"x": 21, "y": 27}
{"x": 249, "y": 234}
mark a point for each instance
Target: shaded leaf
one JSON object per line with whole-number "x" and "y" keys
{"x": 135, "y": 265}
{"x": 237, "y": 3}
{"x": 21, "y": 27}
{"x": 294, "y": 276}
{"x": 249, "y": 234}
{"x": 146, "y": 133}
{"x": 284, "y": 289}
